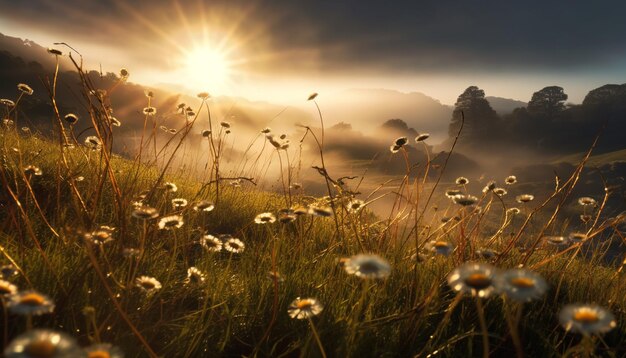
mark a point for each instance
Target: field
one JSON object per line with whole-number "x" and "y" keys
{"x": 132, "y": 255}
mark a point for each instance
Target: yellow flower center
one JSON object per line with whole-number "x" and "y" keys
{"x": 304, "y": 304}
{"x": 40, "y": 349}
{"x": 478, "y": 281}
{"x": 523, "y": 282}
{"x": 586, "y": 316}
{"x": 32, "y": 299}
{"x": 5, "y": 289}
{"x": 98, "y": 354}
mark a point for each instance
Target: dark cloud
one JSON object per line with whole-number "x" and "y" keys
{"x": 344, "y": 36}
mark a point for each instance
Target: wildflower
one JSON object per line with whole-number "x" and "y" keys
{"x": 206, "y": 133}
{"x": 148, "y": 94}
{"x": 451, "y": 193}
{"x": 225, "y": 124}
{"x": 266, "y": 130}
{"x": 473, "y": 278}
{"x": 510, "y": 180}
{"x": 148, "y": 284}
{"x": 26, "y": 130}
{"x": 171, "y": 222}
{"x": 149, "y": 111}
{"x": 465, "y": 199}
{"x": 355, "y": 205}
{"x": 103, "y": 350}
{"x": 302, "y": 308}
{"x": 24, "y": 88}
{"x": 124, "y": 74}
{"x": 443, "y": 248}
{"x": 171, "y": 187}
{"x": 265, "y": 218}
{"x": 586, "y": 319}
{"x": 513, "y": 211}
{"x": 323, "y": 211}
{"x": 115, "y": 122}
{"x": 211, "y": 243}
{"x": 521, "y": 285}
{"x": 42, "y": 343}
{"x": 489, "y": 187}
{"x": 486, "y": 253}
{"x": 7, "y": 102}
{"x": 93, "y": 143}
{"x": 524, "y": 198}
{"x": 576, "y": 237}
{"x": 204, "y": 205}
{"x": 100, "y": 236}
{"x": 204, "y": 95}
{"x": 274, "y": 275}
{"x": 312, "y": 96}
{"x": 462, "y": 181}
{"x": 422, "y": 137}
{"x": 300, "y": 210}
{"x": 235, "y": 246}
{"x": 144, "y": 212}
{"x": 30, "y": 303}
{"x": 178, "y": 203}
{"x": 7, "y": 122}
{"x": 286, "y": 216}
{"x": 8, "y": 271}
{"x": 129, "y": 252}
{"x": 558, "y": 241}
{"x": 54, "y": 51}
{"x": 587, "y": 201}
{"x": 500, "y": 191}
{"x": 194, "y": 276}
{"x": 585, "y": 218}
{"x": 367, "y": 266}
{"x": 32, "y": 170}
{"x": 164, "y": 128}
{"x": 7, "y": 288}
{"x": 172, "y": 131}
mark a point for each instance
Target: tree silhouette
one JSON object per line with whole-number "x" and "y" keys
{"x": 480, "y": 119}
{"x": 547, "y": 101}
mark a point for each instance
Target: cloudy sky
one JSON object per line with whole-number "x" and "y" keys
{"x": 284, "y": 49}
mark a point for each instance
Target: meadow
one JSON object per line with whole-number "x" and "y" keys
{"x": 110, "y": 256}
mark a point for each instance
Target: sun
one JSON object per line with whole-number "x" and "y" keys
{"x": 208, "y": 68}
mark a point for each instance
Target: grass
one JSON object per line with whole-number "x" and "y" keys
{"x": 240, "y": 309}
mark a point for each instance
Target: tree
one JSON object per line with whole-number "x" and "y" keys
{"x": 548, "y": 101}
{"x": 480, "y": 119}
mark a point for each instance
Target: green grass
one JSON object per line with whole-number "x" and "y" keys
{"x": 238, "y": 310}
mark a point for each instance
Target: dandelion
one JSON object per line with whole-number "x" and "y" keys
{"x": 164, "y": 128}
{"x": 171, "y": 222}
{"x": 124, "y": 74}
{"x": 7, "y": 122}
{"x": 587, "y": 201}
{"x": 422, "y": 137}
{"x": 115, "y": 122}
{"x": 323, "y": 211}
{"x": 513, "y": 211}
{"x": 235, "y": 246}
{"x": 32, "y": 170}
{"x": 461, "y": 181}
{"x": 510, "y": 180}
{"x": 303, "y": 308}
{"x": 42, "y": 343}
{"x": 265, "y": 218}
{"x": 7, "y": 102}
{"x": 225, "y": 124}
{"x": 524, "y": 198}
{"x": 30, "y": 303}
{"x": 148, "y": 284}
{"x": 473, "y": 278}
{"x": 100, "y": 236}
{"x": 489, "y": 187}
{"x": 301, "y": 210}
{"x": 355, "y": 205}
{"x": 7, "y": 288}
{"x": 103, "y": 350}
{"x": 585, "y": 218}
{"x": 211, "y": 243}
{"x": 149, "y": 93}
{"x": 144, "y": 212}
{"x": 149, "y": 111}
{"x": 465, "y": 199}
{"x": 204, "y": 205}
{"x": 558, "y": 241}
{"x": 24, "y": 88}
{"x": 500, "y": 192}
{"x": 451, "y": 193}
{"x": 171, "y": 187}
{"x": 367, "y": 266}
{"x": 312, "y": 96}
{"x": 521, "y": 285}
{"x": 586, "y": 319}
{"x": 206, "y": 133}
{"x": 26, "y": 130}
{"x": 443, "y": 248}
{"x": 172, "y": 131}
{"x": 266, "y": 130}
{"x": 204, "y": 95}
{"x": 93, "y": 143}
{"x": 576, "y": 237}
{"x": 8, "y": 271}
{"x": 287, "y": 216}
{"x": 194, "y": 276}
{"x": 178, "y": 203}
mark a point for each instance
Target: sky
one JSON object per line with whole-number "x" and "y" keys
{"x": 284, "y": 49}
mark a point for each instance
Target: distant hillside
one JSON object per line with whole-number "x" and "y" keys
{"x": 504, "y": 106}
